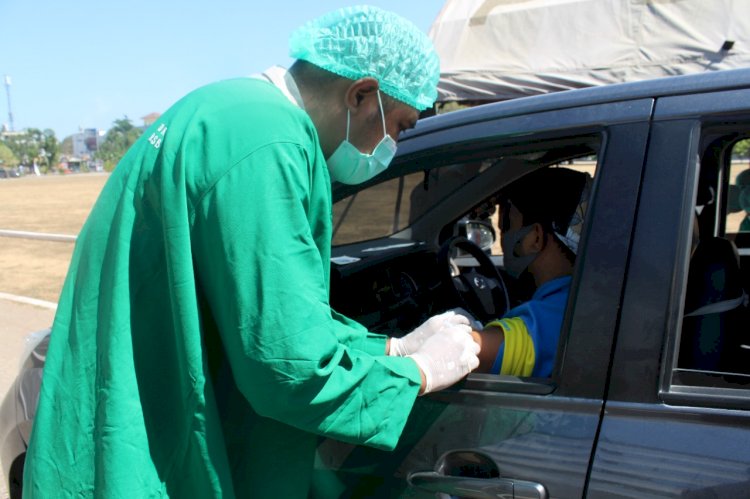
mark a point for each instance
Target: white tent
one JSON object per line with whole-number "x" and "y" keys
{"x": 502, "y": 49}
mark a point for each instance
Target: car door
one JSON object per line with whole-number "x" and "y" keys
{"x": 492, "y": 435}
{"x": 672, "y": 429}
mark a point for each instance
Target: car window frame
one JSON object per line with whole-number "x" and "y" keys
{"x": 679, "y": 385}
{"x": 652, "y": 318}
{"x": 623, "y": 127}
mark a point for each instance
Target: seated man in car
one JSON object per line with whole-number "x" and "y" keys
{"x": 542, "y": 217}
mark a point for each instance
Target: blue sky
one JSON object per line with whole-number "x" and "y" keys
{"x": 85, "y": 63}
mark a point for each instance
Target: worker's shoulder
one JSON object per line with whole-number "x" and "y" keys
{"x": 245, "y": 107}
{"x": 242, "y": 92}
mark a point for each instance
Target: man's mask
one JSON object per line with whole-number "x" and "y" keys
{"x": 515, "y": 264}
{"x": 349, "y": 165}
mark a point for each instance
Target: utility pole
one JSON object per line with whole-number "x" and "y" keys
{"x": 10, "y": 112}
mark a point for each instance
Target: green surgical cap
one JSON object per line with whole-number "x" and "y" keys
{"x": 356, "y": 42}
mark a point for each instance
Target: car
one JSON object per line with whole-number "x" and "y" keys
{"x": 18, "y": 409}
{"x": 650, "y": 393}
{"x": 9, "y": 173}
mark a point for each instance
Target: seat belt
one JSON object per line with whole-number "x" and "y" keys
{"x": 720, "y": 306}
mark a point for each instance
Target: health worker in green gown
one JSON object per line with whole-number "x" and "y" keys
{"x": 194, "y": 352}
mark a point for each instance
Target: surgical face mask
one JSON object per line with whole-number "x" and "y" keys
{"x": 349, "y": 165}
{"x": 514, "y": 264}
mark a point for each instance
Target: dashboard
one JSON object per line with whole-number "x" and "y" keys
{"x": 389, "y": 288}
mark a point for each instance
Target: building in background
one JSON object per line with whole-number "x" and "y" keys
{"x": 149, "y": 119}
{"x": 85, "y": 143}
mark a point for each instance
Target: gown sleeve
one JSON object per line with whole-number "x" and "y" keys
{"x": 355, "y": 335}
{"x": 260, "y": 266}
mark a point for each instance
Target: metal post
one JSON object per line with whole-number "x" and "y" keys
{"x": 10, "y": 112}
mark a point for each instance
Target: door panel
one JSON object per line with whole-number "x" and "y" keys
{"x": 533, "y": 435}
{"x": 545, "y": 440}
{"x": 659, "y": 439}
{"x": 647, "y": 451}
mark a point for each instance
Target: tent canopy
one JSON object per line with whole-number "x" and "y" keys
{"x": 502, "y": 49}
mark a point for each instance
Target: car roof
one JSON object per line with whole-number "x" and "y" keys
{"x": 660, "y": 87}
{"x": 555, "y": 101}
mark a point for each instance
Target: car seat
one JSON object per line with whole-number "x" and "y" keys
{"x": 715, "y": 336}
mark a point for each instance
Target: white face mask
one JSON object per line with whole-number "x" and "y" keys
{"x": 349, "y": 165}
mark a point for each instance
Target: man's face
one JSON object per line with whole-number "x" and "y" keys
{"x": 512, "y": 222}
{"x": 366, "y": 129}
{"x": 512, "y": 219}
{"x": 517, "y": 242}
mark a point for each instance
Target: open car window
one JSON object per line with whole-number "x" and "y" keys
{"x": 430, "y": 206}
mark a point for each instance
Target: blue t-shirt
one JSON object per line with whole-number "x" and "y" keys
{"x": 532, "y": 331}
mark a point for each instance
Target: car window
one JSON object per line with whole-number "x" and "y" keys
{"x": 490, "y": 211}
{"x": 385, "y": 208}
{"x": 713, "y": 347}
{"x": 435, "y": 203}
{"x": 738, "y": 192}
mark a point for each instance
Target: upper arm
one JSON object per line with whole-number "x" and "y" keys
{"x": 490, "y": 339}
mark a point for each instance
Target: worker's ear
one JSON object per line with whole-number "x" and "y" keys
{"x": 361, "y": 93}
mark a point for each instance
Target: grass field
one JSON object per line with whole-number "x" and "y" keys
{"x": 60, "y": 204}
{"x": 53, "y": 204}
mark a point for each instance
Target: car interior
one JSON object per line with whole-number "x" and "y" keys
{"x": 439, "y": 231}
{"x": 715, "y": 340}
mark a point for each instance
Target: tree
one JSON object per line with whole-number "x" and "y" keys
{"x": 118, "y": 140}
{"x": 21, "y": 146}
{"x": 34, "y": 146}
{"x": 51, "y": 148}
{"x": 66, "y": 146}
{"x": 741, "y": 149}
{"x": 7, "y": 158}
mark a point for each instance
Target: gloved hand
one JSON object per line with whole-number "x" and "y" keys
{"x": 410, "y": 343}
{"x": 473, "y": 322}
{"x": 447, "y": 356}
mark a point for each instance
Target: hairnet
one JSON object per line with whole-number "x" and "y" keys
{"x": 356, "y": 42}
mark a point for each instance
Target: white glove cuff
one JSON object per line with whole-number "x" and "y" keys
{"x": 395, "y": 347}
{"x": 422, "y": 364}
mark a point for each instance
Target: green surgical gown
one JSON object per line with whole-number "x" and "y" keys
{"x": 194, "y": 352}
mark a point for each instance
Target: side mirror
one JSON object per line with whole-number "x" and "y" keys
{"x": 479, "y": 232}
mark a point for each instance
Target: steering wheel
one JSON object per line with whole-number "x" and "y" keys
{"x": 480, "y": 290}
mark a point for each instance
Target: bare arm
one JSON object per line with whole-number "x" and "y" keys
{"x": 489, "y": 341}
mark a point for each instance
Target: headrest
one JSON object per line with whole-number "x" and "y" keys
{"x": 714, "y": 274}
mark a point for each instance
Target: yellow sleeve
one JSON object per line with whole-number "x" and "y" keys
{"x": 519, "y": 356}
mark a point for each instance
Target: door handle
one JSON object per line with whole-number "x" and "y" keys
{"x": 476, "y": 488}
